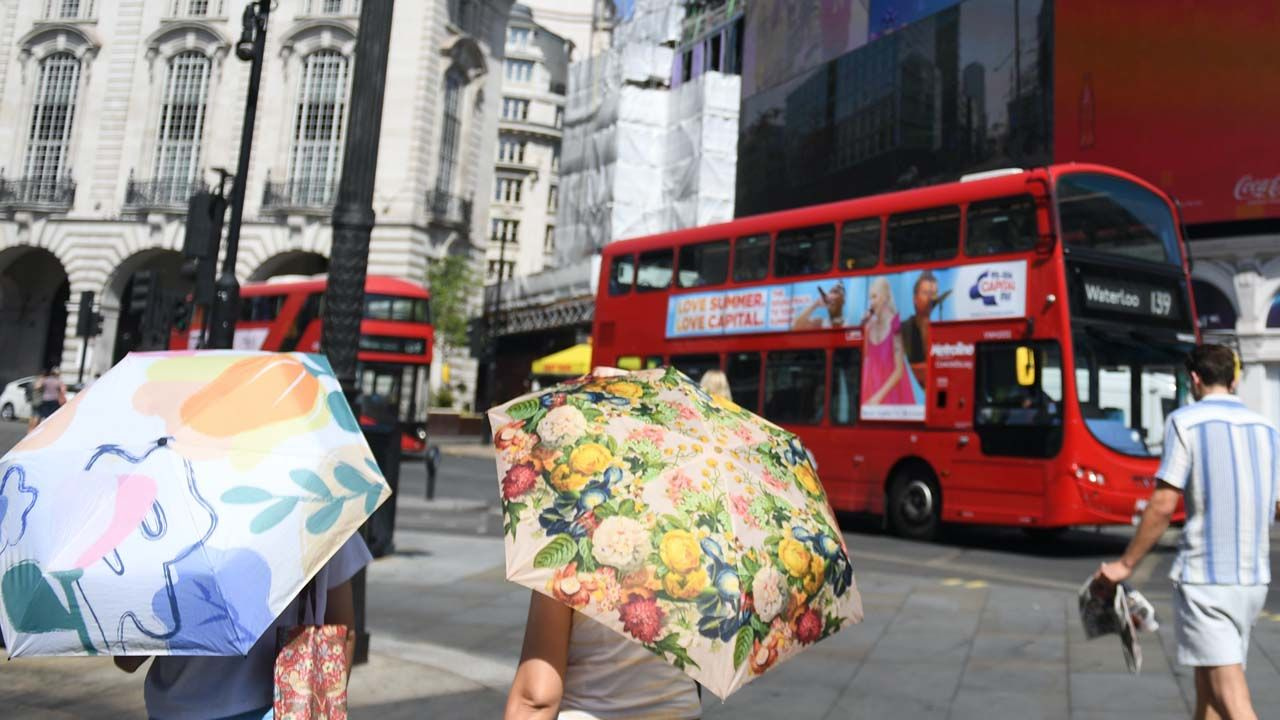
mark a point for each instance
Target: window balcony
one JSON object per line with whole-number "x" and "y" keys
{"x": 64, "y": 10}
{"x": 302, "y": 196}
{"x": 37, "y": 193}
{"x": 164, "y": 194}
{"x": 449, "y": 210}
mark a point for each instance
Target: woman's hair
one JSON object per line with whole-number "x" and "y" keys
{"x": 716, "y": 384}
{"x": 881, "y": 284}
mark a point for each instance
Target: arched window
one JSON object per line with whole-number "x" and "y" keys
{"x": 317, "y": 135}
{"x": 181, "y": 126}
{"x": 1213, "y": 309}
{"x": 1273, "y": 314}
{"x": 51, "y": 119}
{"x": 449, "y": 130}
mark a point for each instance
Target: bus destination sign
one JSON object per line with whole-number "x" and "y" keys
{"x": 1131, "y": 298}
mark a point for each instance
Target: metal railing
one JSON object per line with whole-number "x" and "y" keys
{"x": 67, "y": 10}
{"x": 162, "y": 193}
{"x": 298, "y": 195}
{"x": 449, "y": 209}
{"x": 52, "y": 192}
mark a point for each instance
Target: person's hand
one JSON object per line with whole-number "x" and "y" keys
{"x": 1115, "y": 572}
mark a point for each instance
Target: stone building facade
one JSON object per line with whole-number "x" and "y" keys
{"x": 112, "y": 112}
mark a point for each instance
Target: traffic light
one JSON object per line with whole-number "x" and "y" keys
{"x": 140, "y": 291}
{"x": 205, "y": 212}
{"x": 85, "y": 317}
{"x": 181, "y": 310}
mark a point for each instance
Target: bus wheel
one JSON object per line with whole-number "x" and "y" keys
{"x": 915, "y": 504}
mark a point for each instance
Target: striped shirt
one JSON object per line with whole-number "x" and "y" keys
{"x": 1226, "y": 460}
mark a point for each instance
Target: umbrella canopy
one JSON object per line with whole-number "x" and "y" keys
{"x": 177, "y": 505}
{"x": 570, "y": 362}
{"x": 683, "y": 522}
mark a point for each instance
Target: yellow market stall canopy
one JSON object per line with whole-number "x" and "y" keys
{"x": 572, "y": 362}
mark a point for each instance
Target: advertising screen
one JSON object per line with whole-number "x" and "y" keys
{"x": 893, "y": 313}
{"x": 1184, "y": 99}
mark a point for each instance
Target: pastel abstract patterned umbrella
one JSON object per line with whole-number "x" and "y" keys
{"x": 178, "y": 504}
{"x": 680, "y": 521}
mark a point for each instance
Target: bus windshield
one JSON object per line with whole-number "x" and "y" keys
{"x": 1110, "y": 215}
{"x": 1127, "y": 387}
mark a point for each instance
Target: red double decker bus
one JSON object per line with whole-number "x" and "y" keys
{"x": 284, "y": 315}
{"x": 999, "y": 350}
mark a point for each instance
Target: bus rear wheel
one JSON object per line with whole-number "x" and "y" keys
{"x": 915, "y": 504}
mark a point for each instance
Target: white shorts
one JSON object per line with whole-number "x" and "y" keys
{"x": 1212, "y": 622}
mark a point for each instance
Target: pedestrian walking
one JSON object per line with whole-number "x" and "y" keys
{"x": 50, "y": 395}
{"x": 242, "y": 688}
{"x": 1223, "y": 460}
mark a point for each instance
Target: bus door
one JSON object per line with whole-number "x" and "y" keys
{"x": 1017, "y": 428}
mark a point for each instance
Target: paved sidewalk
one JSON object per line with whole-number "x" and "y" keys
{"x": 447, "y": 629}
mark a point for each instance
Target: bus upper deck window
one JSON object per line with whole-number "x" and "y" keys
{"x": 654, "y": 271}
{"x": 1000, "y": 226}
{"x": 622, "y": 274}
{"x": 804, "y": 251}
{"x": 860, "y": 244}
{"x": 923, "y": 236}
{"x": 703, "y": 264}
{"x": 751, "y": 258}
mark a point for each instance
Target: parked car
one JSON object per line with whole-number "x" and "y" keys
{"x": 13, "y": 399}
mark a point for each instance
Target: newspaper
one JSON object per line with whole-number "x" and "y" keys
{"x": 1107, "y": 609}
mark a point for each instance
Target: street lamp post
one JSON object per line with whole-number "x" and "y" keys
{"x": 353, "y": 219}
{"x": 251, "y": 47}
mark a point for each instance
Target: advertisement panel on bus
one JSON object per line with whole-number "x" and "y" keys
{"x": 872, "y": 307}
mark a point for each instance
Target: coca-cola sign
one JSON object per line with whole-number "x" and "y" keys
{"x": 1258, "y": 189}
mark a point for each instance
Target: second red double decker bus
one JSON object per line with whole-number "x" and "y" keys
{"x": 1001, "y": 350}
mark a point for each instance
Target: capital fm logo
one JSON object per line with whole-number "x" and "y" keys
{"x": 994, "y": 287}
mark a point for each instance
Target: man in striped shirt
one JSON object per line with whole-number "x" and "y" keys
{"x": 1224, "y": 460}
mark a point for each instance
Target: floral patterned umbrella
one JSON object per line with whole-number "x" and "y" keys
{"x": 679, "y": 520}
{"x": 178, "y": 504}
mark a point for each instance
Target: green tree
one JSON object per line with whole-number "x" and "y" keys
{"x": 452, "y": 282}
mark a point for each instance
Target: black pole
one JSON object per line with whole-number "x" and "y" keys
{"x": 352, "y": 225}
{"x": 225, "y": 308}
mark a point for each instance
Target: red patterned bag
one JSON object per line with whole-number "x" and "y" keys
{"x": 311, "y": 670}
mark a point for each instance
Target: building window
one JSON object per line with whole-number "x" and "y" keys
{"x": 68, "y": 9}
{"x": 515, "y": 109}
{"x": 332, "y": 7}
{"x": 559, "y": 117}
{"x": 549, "y": 244}
{"x": 317, "y": 136}
{"x": 519, "y": 70}
{"x": 51, "y": 119}
{"x": 182, "y": 124}
{"x": 555, "y": 159}
{"x": 508, "y": 268}
{"x": 511, "y": 151}
{"x": 502, "y": 232}
{"x": 192, "y": 8}
{"x": 553, "y": 199}
{"x": 519, "y": 36}
{"x": 507, "y": 190}
{"x": 449, "y": 130}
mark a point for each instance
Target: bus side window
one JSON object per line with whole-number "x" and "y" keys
{"x": 795, "y": 386}
{"x": 695, "y": 365}
{"x": 923, "y": 236}
{"x": 1000, "y": 226}
{"x": 261, "y": 308}
{"x": 309, "y": 312}
{"x": 743, "y": 371}
{"x": 654, "y": 271}
{"x": 846, "y": 376}
{"x": 751, "y": 258}
{"x": 860, "y": 244}
{"x": 703, "y": 264}
{"x": 622, "y": 274}
{"x": 804, "y": 251}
